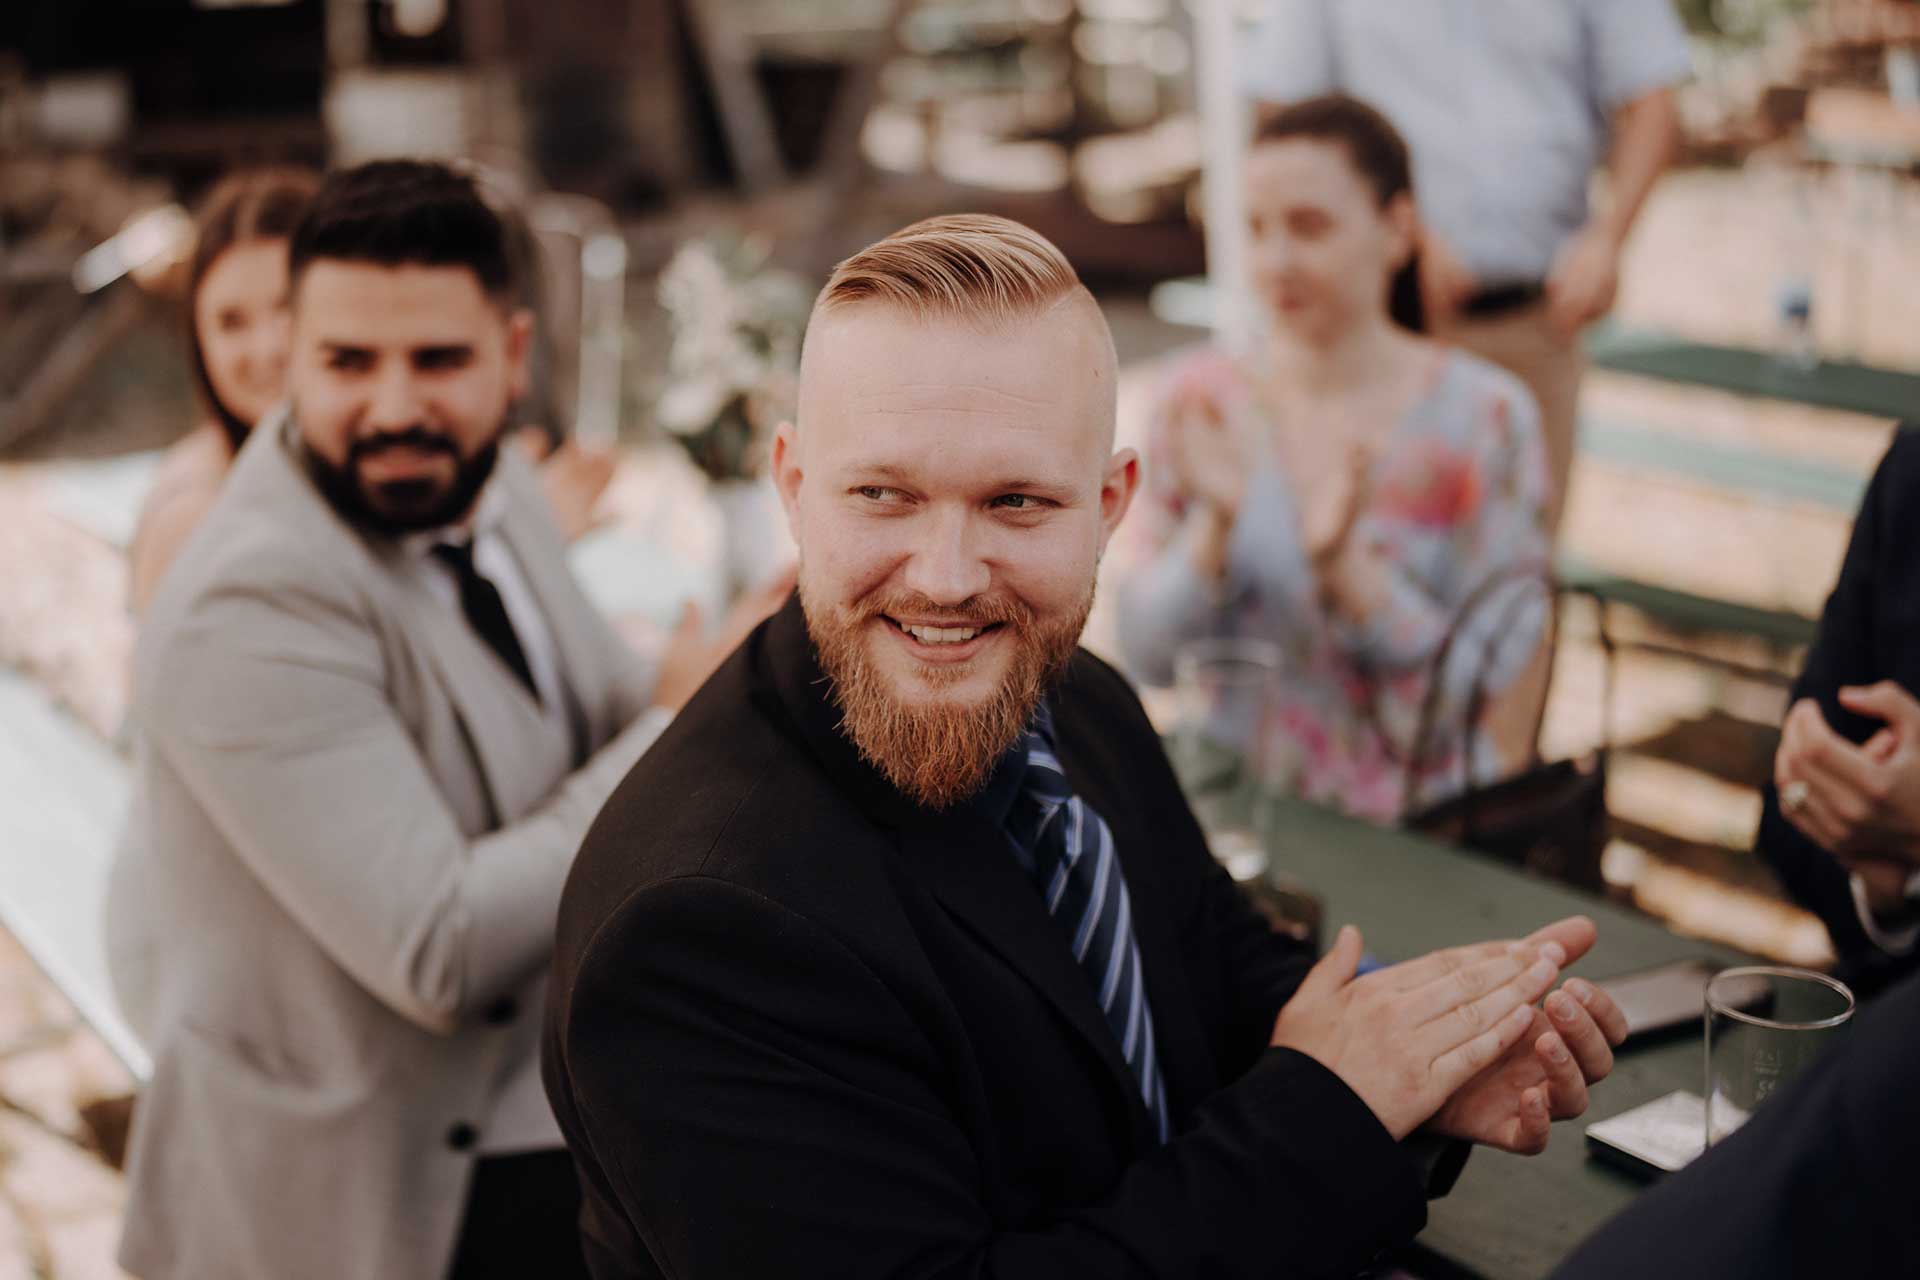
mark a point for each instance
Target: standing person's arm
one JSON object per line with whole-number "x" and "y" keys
{"x": 1638, "y": 53}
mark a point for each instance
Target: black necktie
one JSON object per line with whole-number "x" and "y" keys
{"x": 486, "y": 612}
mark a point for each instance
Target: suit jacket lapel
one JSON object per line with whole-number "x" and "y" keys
{"x": 971, "y": 869}
{"x": 579, "y": 658}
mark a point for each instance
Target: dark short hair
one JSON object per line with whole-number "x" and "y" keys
{"x": 254, "y": 204}
{"x": 397, "y": 213}
{"x": 1379, "y": 155}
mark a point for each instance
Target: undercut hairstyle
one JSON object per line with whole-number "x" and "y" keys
{"x": 967, "y": 266}
{"x": 1378, "y": 154}
{"x": 256, "y": 204}
{"x": 395, "y": 213}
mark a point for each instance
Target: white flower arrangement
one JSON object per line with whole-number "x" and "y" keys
{"x": 735, "y": 354}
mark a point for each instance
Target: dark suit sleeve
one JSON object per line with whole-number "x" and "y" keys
{"x": 759, "y": 1104}
{"x": 1846, "y": 652}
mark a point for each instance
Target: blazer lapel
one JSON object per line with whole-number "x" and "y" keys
{"x": 496, "y": 712}
{"x": 971, "y": 870}
{"x": 579, "y": 658}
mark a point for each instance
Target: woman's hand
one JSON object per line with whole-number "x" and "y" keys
{"x": 1328, "y": 516}
{"x": 1215, "y": 436}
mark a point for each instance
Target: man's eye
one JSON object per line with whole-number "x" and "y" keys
{"x": 1018, "y": 502}
{"x": 878, "y": 493}
{"x": 349, "y": 361}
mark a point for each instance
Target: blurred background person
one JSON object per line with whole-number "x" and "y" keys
{"x": 1346, "y": 491}
{"x": 1508, "y": 105}
{"x": 237, "y": 342}
{"x": 1841, "y": 824}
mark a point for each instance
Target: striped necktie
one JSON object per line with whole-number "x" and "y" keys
{"x": 1068, "y": 849}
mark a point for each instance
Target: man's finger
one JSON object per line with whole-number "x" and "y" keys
{"x": 1566, "y": 1084}
{"x": 1575, "y": 936}
{"x": 1463, "y": 1062}
{"x": 1609, "y": 1016}
{"x": 1409, "y": 975}
{"x": 1448, "y": 991}
{"x": 1466, "y": 1020}
{"x": 1336, "y": 968}
{"x": 1582, "y": 1036}
{"x": 1536, "y": 1123}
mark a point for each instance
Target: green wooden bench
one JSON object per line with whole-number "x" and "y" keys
{"x": 1830, "y": 384}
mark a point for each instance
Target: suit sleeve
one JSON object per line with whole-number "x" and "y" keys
{"x": 1845, "y": 653}
{"x": 274, "y": 712}
{"x": 809, "y": 1118}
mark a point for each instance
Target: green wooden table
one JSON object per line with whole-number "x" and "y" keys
{"x": 1831, "y": 384}
{"x": 1509, "y": 1216}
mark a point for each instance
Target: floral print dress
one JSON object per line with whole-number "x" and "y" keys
{"x": 1457, "y": 497}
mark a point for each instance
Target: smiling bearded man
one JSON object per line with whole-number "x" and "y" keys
{"x": 902, "y": 954}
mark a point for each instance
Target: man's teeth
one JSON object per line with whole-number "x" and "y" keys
{"x": 943, "y": 635}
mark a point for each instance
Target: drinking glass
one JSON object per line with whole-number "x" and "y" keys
{"x": 1765, "y": 1024}
{"x": 1227, "y": 695}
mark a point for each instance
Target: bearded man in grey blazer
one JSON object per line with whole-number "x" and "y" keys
{"x": 375, "y": 718}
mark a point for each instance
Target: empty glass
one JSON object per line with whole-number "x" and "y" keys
{"x": 1227, "y": 693}
{"x": 1764, "y": 1026}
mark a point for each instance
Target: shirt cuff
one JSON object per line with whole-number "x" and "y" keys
{"x": 1895, "y": 942}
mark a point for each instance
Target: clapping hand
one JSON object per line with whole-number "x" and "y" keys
{"x": 1454, "y": 1037}
{"x": 1334, "y": 509}
{"x": 1407, "y": 1038}
{"x": 1544, "y": 1077}
{"x": 1215, "y": 435}
{"x": 1860, "y": 803}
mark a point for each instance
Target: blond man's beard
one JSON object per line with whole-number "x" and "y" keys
{"x": 938, "y": 753}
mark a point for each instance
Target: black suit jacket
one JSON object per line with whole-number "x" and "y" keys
{"x": 1818, "y": 1183}
{"x": 1870, "y": 630}
{"x": 801, "y": 1027}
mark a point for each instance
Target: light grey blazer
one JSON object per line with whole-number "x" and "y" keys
{"x": 331, "y": 915}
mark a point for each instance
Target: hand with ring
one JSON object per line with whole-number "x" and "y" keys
{"x": 1859, "y": 802}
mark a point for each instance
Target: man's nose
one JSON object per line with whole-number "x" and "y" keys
{"x": 394, "y": 403}
{"x": 945, "y": 565}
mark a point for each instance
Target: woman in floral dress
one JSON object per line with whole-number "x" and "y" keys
{"x": 1347, "y": 492}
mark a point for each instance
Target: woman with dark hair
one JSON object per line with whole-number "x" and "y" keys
{"x": 237, "y": 339}
{"x": 1346, "y": 489}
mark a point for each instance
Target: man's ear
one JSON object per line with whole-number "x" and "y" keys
{"x": 785, "y": 466}
{"x": 519, "y": 352}
{"x": 1116, "y": 492}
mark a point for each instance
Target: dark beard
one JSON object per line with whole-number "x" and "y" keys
{"x": 394, "y": 510}
{"x": 940, "y": 754}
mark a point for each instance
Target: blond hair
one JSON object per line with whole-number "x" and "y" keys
{"x": 960, "y": 266}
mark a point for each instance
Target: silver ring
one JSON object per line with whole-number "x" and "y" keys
{"x": 1793, "y": 796}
